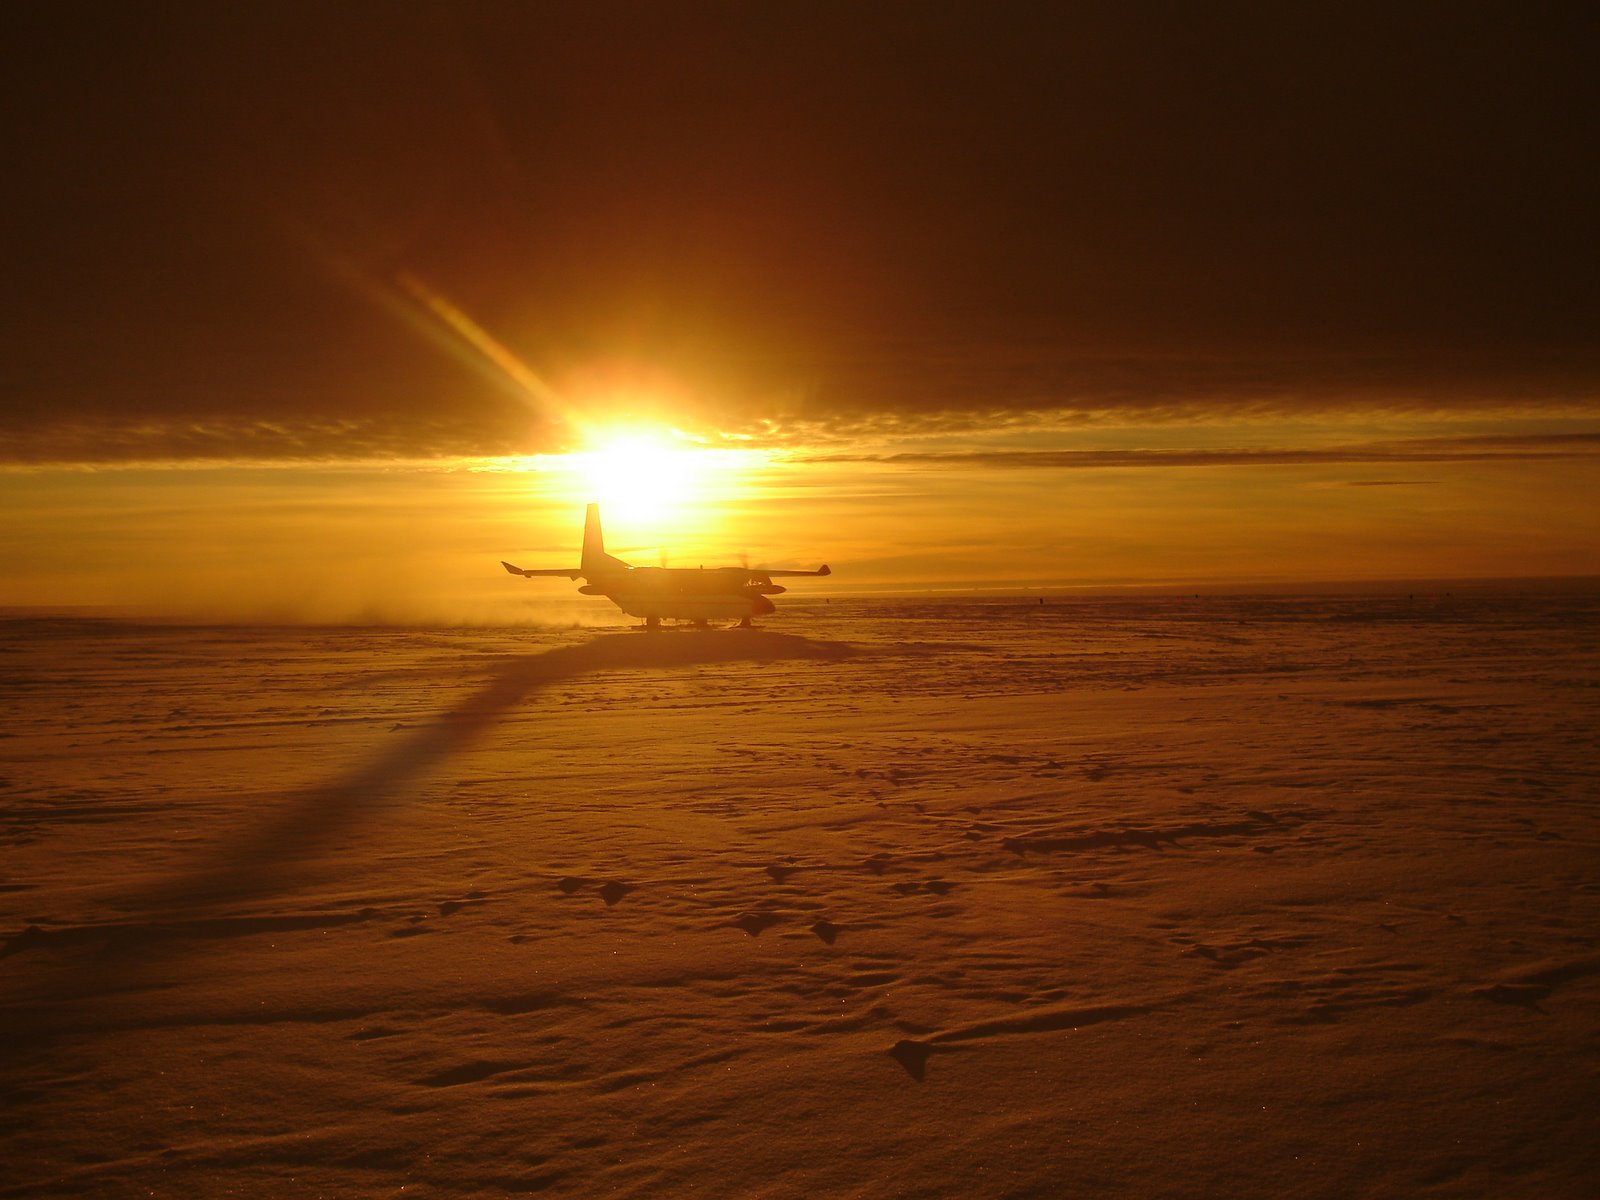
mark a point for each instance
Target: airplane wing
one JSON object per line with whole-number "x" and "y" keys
{"x": 552, "y": 574}
{"x": 822, "y": 570}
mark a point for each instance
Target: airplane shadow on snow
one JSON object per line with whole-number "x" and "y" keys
{"x": 257, "y": 863}
{"x": 249, "y": 866}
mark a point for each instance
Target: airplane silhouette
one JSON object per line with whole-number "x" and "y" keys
{"x": 677, "y": 593}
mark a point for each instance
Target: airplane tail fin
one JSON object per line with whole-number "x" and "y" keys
{"x": 595, "y": 557}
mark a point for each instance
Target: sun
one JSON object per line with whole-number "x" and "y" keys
{"x": 639, "y": 474}
{"x": 656, "y": 486}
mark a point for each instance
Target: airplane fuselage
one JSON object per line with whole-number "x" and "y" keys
{"x": 683, "y": 593}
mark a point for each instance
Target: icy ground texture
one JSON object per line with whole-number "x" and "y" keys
{"x": 1288, "y": 897}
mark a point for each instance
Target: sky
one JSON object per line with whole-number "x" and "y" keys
{"x": 322, "y": 309}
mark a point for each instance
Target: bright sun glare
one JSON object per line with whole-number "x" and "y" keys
{"x": 643, "y": 477}
{"x": 633, "y": 474}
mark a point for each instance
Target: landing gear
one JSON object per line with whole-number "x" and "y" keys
{"x": 744, "y": 623}
{"x": 652, "y": 624}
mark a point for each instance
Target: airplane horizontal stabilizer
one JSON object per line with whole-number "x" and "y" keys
{"x": 822, "y": 570}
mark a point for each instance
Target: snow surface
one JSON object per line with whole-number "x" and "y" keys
{"x": 1289, "y": 896}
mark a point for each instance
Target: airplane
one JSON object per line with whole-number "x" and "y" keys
{"x": 677, "y": 593}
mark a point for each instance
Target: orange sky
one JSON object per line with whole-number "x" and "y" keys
{"x": 422, "y": 541}
{"x": 1080, "y": 294}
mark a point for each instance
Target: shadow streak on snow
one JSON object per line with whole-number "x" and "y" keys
{"x": 249, "y": 865}
{"x": 254, "y": 864}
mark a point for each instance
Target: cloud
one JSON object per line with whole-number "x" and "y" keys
{"x": 258, "y": 252}
{"x": 109, "y": 443}
{"x": 106, "y": 443}
{"x": 1473, "y": 448}
{"x": 848, "y": 408}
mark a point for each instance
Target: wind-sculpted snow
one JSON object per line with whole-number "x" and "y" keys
{"x": 1176, "y": 896}
{"x": 252, "y": 863}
